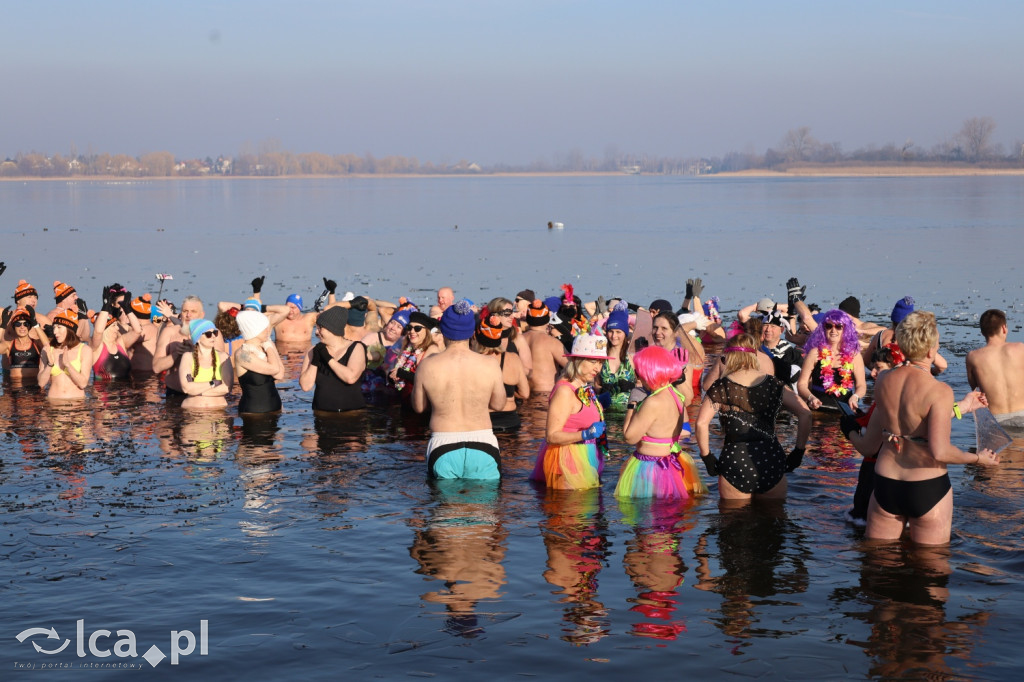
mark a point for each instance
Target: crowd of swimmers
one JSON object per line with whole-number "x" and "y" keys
{"x": 470, "y": 366}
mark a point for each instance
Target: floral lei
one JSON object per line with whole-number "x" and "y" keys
{"x": 845, "y": 373}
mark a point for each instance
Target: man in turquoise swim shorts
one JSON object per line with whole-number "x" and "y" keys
{"x": 459, "y": 386}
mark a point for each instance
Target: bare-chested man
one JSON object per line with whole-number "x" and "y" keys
{"x": 445, "y": 297}
{"x": 997, "y": 369}
{"x": 175, "y": 340}
{"x": 295, "y": 330}
{"x": 459, "y": 385}
{"x": 548, "y": 352}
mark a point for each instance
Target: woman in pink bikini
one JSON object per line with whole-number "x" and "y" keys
{"x": 659, "y": 467}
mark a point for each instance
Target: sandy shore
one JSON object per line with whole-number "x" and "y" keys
{"x": 872, "y": 171}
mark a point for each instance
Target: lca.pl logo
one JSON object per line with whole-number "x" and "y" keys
{"x": 183, "y": 643}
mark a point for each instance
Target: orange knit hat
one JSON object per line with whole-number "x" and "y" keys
{"x": 62, "y": 291}
{"x": 24, "y": 289}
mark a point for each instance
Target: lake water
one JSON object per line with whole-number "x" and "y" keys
{"x": 316, "y": 548}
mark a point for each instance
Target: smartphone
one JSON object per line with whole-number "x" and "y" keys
{"x": 845, "y": 408}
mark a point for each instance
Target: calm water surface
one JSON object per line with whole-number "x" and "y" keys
{"x": 317, "y": 549}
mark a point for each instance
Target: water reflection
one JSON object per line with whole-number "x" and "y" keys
{"x": 653, "y": 563}
{"x": 576, "y": 537}
{"x": 760, "y": 554}
{"x": 461, "y": 542}
{"x": 911, "y": 636}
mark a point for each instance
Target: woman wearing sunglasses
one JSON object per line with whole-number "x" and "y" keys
{"x": 506, "y": 312}
{"x": 334, "y": 368}
{"x": 833, "y": 367}
{"x": 418, "y": 344}
{"x": 208, "y": 377}
{"x": 21, "y": 353}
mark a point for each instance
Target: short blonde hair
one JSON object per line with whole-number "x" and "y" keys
{"x": 917, "y": 334}
{"x": 740, "y": 359}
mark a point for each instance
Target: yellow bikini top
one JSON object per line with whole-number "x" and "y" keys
{"x": 76, "y": 363}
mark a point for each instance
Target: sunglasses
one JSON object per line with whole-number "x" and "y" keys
{"x": 21, "y": 323}
{"x": 833, "y": 325}
{"x": 212, "y": 333}
{"x": 415, "y": 328}
{"x": 504, "y": 313}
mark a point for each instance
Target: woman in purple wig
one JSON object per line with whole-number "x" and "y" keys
{"x": 833, "y": 366}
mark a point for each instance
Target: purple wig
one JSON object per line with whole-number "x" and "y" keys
{"x": 848, "y": 345}
{"x": 657, "y": 367}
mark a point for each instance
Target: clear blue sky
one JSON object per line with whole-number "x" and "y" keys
{"x": 501, "y": 80}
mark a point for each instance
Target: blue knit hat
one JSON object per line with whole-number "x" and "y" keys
{"x": 196, "y": 328}
{"x": 252, "y": 304}
{"x": 618, "y": 318}
{"x": 458, "y": 321}
{"x": 903, "y": 307}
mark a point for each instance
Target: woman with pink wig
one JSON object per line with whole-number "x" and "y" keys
{"x": 833, "y": 366}
{"x": 659, "y": 467}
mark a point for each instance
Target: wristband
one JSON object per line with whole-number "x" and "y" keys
{"x": 957, "y": 413}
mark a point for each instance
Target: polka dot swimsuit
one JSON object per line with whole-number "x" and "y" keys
{"x": 752, "y": 460}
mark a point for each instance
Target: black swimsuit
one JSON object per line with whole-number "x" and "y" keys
{"x": 752, "y": 460}
{"x": 331, "y": 394}
{"x": 259, "y": 394}
{"x": 24, "y": 359}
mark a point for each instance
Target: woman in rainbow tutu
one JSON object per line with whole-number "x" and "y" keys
{"x": 659, "y": 467}
{"x": 572, "y": 455}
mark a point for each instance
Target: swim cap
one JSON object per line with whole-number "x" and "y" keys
{"x": 251, "y": 323}
{"x": 197, "y": 328}
{"x": 401, "y": 317}
{"x": 457, "y": 321}
{"x": 488, "y": 332}
{"x": 296, "y": 299}
{"x": 62, "y": 291}
{"x": 24, "y": 289}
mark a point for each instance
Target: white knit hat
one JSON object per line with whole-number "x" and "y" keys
{"x": 251, "y": 323}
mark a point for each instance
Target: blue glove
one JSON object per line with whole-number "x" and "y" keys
{"x": 594, "y": 431}
{"x": 605, "y": 398}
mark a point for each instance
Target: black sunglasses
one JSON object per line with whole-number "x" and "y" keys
{"x": 415, "y": 328}
{"x": 210, "y": 334}
{"x": 833, "y": 325}
{"x": 21, "y": 323}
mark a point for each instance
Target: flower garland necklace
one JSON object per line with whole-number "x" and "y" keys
{"x": 845, "y": 373}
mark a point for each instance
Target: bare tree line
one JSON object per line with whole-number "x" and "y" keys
{"x": 972, "y": 145}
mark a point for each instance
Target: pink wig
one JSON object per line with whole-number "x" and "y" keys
{"x": 657, "y": 367}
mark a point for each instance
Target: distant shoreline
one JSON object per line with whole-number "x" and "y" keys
{"x": 880, "y": 171}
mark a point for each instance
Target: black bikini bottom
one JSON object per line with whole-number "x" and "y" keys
{"x": 911, "y": 499}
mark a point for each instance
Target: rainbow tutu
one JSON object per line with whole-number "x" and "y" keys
{"x": 673, "y": 477}
{"x": 576, "y": 466}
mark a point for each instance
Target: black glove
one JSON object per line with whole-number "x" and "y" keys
{"x": 106, "y": 295}
{"x": 257, "y": 284}
{"x": 3, "y": 267}
{"x": 689, "y": 289}
{"x": 31, "y": 316}
{"x": 48, "y": 330}
{"x": 83, "y": 309}
{"x": 794, "y": 459}
{"x": 321, "y": 356}
{"x": 848, "y": 424}
{"x": 126, "y": 303}
{"x": 711, "y": 464}
{"x": 698, "y": 287}
{"x": 110, "y": 308}
{"x": 330, "y": 285}
{"x": 795, "y": 292}
{"x": 5, "y": 317}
